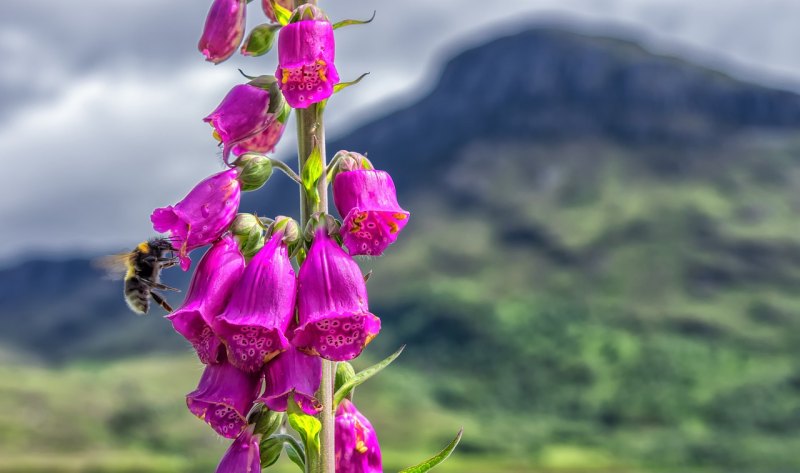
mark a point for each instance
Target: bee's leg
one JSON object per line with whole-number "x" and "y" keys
{"x": 167, "y": 262}
{"x": 158, "y": 285}
{"x": 160, "y": 301}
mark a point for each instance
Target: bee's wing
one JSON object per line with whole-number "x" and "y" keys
{"x": 116, "y": 266}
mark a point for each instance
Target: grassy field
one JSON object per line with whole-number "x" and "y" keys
{"x": 129, "y": 416}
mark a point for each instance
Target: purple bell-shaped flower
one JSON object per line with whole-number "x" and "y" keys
{"x": 261, "y": 308}
{"x": 223, "y": 398}
{"x": 202, "y": 216}
{"x": 212, "y": 283}
{"x": 334, "y": 318}
{"x": 306, "y": 51}
{"x": 242, "y": 118}
{"x": 367, "y": 201}
{"x": 224, "y": 30}
{"x": 292, "y": 372}
{"x": 356, "y": 444}
{"x": 244, "y": 454}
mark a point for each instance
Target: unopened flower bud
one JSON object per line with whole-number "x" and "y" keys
{"x": 249, "y": 234}
{"x": 344, "y": 373}
{"x": 268, "y": 422}
{"x": 308, "y": 12}
{"x": 260, "y": 40}
{"x": 224, "y": 30}
{"x": 254, "y": 170}
{"x": 289, "y": 227}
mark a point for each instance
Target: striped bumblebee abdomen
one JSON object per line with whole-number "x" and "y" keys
{"x": 137, "y": 295}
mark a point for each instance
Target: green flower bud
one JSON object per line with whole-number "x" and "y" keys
{"x": 254, "y": 170}
{"x": 289, "y": 227}
{"x": 247, "y": 230}
{"x": 352, "y": 161}
{"x": 344, "y": 373}
{"x": 268, "y": 422}
{"x": 308, "y": 12}
{"x": 260, "y": 40}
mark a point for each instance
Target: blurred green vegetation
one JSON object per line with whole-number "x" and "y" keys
{"x": 581, "y": 306}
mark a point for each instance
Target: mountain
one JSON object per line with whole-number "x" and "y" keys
{"x": 602, "y": 258}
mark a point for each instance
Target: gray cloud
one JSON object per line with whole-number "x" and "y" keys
{"x": 102, "y": 100}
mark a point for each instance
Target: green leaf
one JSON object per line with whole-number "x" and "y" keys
{"x": 271, "y": 449}
{"x": 342, "y": 85}
{"x": 282, "y": 14}
{"x": 339, "y": 24}
{"x": 260, "y": 40}
{"x": 439, "y": 458}
{"x": 308, "y": 427}
{"x": 364, "y": 375}
{"x": 312, "y": 171}
{"x": 295, "y": 456}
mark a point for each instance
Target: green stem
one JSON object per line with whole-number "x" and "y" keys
{"x": 311, "y": 133}
{"x": 286, "y": 169}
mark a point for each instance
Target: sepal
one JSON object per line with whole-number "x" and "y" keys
{"x": 343, "y": 85}
{"x": 342, "y": 23}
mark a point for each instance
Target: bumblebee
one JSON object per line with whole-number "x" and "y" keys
{"x": 141, "y": 268}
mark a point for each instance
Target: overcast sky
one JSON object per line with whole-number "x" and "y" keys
{"x": 101, "y": 100}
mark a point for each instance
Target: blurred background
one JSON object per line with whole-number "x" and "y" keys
{"x": 601, "y": 272}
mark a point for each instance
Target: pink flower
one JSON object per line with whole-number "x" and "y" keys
{"x": 212, "y": 283}
{"x": 292, "y": 372}
{"x": 334, "y": 318}
{"x": 242, "y": 117}
{"x": 202, "y": 216}
{"x": 224, "y": 397}
{"x": 306, "y": 52}
{"x": 264, "y": 141}
{"x": 253, "y": 324}
{"x": 356, "y": 444}
{"x": 367, "y": 200}
{"x": 244, "y": 454}
{"x": 224, "y": 30}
